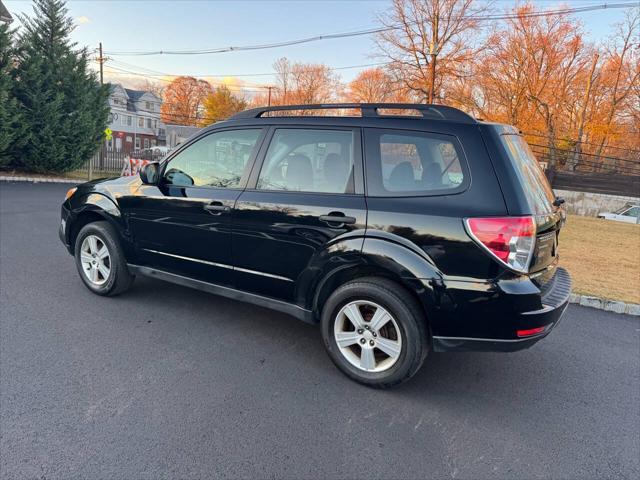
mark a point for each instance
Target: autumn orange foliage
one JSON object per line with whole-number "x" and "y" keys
{"x": 183, "y": 101}
{"x": 577, "y": 102}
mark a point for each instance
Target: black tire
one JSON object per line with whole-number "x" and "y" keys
{"x": 408, "y": 315}
{"x": 119, "y": 279}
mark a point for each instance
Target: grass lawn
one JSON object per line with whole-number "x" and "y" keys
{"x": 603, "y": 257}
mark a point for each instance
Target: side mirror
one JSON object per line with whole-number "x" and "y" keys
{"x": 149, "y": 173}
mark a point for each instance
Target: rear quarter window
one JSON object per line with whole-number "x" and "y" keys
{"x": 529, "y": 172}
{"x": 403, "y": 163}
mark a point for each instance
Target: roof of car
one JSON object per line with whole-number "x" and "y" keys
{"x": 368, "y": 110}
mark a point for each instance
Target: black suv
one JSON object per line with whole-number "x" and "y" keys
{"x": 401, "y": 229}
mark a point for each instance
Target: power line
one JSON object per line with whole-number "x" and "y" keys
{"x": 252, "y": 88}
{"x": 262, "y": 74}
{"x": 370, "y": 31}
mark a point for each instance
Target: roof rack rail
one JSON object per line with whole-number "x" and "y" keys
{"x": 368, "y": 110}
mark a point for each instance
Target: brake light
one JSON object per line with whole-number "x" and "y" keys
{"x": 510, "y": 239}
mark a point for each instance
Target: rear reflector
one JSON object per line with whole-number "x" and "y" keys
{"x": 530, "y": 332}
{"x": 509, "y": 239}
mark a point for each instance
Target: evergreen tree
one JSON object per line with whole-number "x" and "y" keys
{"x": 8, "y": 112}
{"x": 64, "y": 108}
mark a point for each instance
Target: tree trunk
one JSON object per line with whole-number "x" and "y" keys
{"x": 575, "y": 159}
{"x": 432, "y": 79}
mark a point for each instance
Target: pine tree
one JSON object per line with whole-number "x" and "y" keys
{"x": 8, "y": 112}
{"x": 64, "y": 109}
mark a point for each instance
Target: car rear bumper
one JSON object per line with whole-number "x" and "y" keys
{"x": 554, "y": 302}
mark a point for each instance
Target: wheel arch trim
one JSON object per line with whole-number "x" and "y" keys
{"x": 377, "y": 257}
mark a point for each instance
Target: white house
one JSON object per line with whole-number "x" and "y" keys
{"x": 5, "y": 16}
{"x": 134, "y": 120}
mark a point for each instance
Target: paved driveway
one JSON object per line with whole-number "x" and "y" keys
{"x": 169, "y": 382}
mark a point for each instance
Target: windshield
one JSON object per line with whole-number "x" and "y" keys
{"x": 535, "y": 183}
{"x": 622, "y": 210}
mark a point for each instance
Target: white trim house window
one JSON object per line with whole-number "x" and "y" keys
{"x": 137, "y": 146}
{"x": 146, "y": 143}
{"x": 140, "y": 122}
{"x": 125, "y": 120}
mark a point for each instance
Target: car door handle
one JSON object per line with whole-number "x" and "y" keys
{"x": 337, "y": 217}
{"x": 217, "y": 207}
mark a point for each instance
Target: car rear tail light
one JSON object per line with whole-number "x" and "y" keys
{"x": 530, "y": 332}
{"x": 510, "y": 239}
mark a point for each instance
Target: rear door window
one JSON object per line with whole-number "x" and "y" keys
{"x": 533, "y": 180}
{"x": 309, "y": 160}
{"x": 410, "y": 163}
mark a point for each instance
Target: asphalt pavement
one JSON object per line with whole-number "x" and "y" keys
{"x": 168, "y": 382}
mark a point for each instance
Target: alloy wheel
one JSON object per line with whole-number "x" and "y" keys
{"x": 95, "y": 259}
{"x": 367, "y": 336}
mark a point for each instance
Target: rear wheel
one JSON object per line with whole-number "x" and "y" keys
{"x": 375, "y": 332}
{"x": 100, "y": 260}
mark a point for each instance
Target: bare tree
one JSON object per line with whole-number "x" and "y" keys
{"x": 429, "y": 41}
{"x": 156, "y": 88}
{"x": 302, "y": 83}
{"x": 374, "y": 85}
{"x": 582, "y": 116}
{"x": 282, "y": 66}
{"x": 314, "y": 83}
{"x": 530, "y": 74}
{"x": 621, "y": 73}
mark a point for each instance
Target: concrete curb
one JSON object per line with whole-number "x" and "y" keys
{"x": 20, "y": 178}
{"x": 607, "y": 305}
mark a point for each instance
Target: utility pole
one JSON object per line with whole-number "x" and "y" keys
{"x": 269, "y": 101}
{"x": 101, "y": 61}
{"x": 433, "y": 52}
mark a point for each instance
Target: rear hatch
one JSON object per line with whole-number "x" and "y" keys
{"x": 549, "y": 217}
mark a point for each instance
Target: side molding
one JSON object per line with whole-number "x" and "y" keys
{"x": 273, "y": 304}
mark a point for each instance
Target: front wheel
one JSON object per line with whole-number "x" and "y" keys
{"x": 100, "y": 260}
{"x": 374, "y": 331}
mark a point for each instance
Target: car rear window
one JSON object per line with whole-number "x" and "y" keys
{"x": 409, "y": 163}
{"x": 530, "y": 174}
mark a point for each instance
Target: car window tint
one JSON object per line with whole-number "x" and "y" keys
{"x": 306, "y": 160}
{"x": 536, "y": 186}
{"x": 412, "y": 163}
{"x": 632, "y": 212}
{"x": 217, "y": 160}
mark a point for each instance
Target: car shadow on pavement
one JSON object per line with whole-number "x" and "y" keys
{"x": 491, "y": 375}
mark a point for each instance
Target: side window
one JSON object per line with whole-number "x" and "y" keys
{"x": 306, "y": 160}
{"x": 409, "y": 163}
{"x": 217, "y": 160}
{"x": 632, "y": 212}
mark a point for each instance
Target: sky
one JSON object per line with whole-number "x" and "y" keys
{"x": 123, "y": 25}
